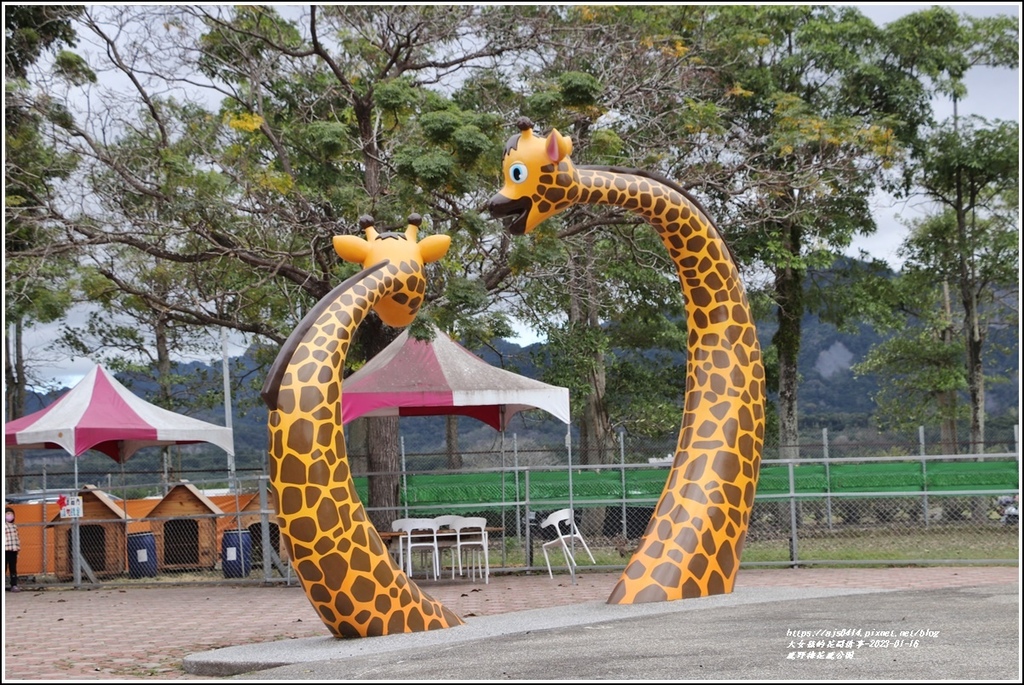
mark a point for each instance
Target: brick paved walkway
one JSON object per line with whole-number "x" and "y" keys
{"x": 144, "y": 633}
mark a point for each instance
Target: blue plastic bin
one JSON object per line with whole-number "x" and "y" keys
{"x": 236, "y": 553}
{"x": 141, "y": 555}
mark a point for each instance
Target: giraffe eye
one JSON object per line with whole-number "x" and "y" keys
{"x": 517, "y": 172}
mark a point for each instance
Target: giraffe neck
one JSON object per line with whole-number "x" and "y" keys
{"x": 345, "y": 568}
{"x": 702, "y": 515}
{"x": 684, "y": 229}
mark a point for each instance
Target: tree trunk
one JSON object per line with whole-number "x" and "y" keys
{"x": 950, "y": 441}
{"x": 385, "y": 470}
{"x": 948, "y": 438}
{"x": 973, "y": 328}
{"x": 451, "y": 442}
{"x": 355, "y": 445}
{"x": 381, "y": 440}
{"x": 789, "y": 287}
{"x": 975, "y": 376}
{"x": 163, "y": 368}
{"x": 595, "y": 428}
{"x": 14, "y": 374}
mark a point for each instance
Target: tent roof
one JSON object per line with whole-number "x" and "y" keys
{"x": 413, "y": 377}
{"x": 101, "y": 414}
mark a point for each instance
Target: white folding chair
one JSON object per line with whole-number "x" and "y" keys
{"x": 472, "y": 538}
{"x": 447, "y": 539}
{"x": 563, "y": 536}
{"x": 398, "y": 526}
{"x": 421, "y": 534}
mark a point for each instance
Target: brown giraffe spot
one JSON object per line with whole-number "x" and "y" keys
{"x": 707, "y": 541}
{"x": 691, "y": 589}
{"x": 319, "y": 474}
{"x": 721, "y": 410}
{"x": 687, "y": 540}
{"x": 726, "y": 559}
{"x": 719, "y": 315}
{"x": 697, "y": 567}
{"x": 292, "y": 471}
{"x": 327, "y": 514}
{"x": 717, "y": 517}
{"x": 700, "y": 296}
{"x": 669, "y": 574}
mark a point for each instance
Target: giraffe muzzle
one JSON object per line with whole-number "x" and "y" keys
{"x": 512, "y": 213}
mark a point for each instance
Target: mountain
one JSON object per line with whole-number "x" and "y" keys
{"x": 830, "y": 396}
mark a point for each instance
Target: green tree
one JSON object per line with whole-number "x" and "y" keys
{"x": 823, "y": 109}
{"x": 37, "y": 258}
{"x": 782, "y": 118}
{"x": 238, "y": 175}
{"x": 971, "y": 170}
{"x": 597, "y": 283}
{"x": 919, "y": 366}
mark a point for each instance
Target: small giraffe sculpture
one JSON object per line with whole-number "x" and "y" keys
{"x": 345, "y": 568}
{"x": 692, "y": 545}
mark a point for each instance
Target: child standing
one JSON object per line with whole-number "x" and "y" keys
{"x": 12, "y": 545}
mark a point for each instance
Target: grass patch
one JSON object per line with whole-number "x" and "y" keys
{"x": 893, "y": 544}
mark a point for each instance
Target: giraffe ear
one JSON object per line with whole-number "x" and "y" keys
{"x": 558, "y": 146}
{"x": 433, "y": 247}
{"x": 351, "y": 248}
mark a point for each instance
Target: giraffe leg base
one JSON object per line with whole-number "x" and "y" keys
{"x": 636, "y": 586}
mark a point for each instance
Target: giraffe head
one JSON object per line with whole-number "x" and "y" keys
{"x": 404, "y": 257}
{"x": 540, "y": 179}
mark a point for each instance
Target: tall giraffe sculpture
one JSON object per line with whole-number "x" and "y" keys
{"x": 344, "y": 566}
{"x": 692, "y": 545}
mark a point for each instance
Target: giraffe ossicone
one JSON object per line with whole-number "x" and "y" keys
{"x": 345, "y": 569}
{"x": 693, "y": 542}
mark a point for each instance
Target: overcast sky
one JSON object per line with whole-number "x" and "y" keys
{"x": 991, "y": 93}
{"x": 994, "y": 94}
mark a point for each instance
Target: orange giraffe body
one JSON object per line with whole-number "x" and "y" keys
{"x": 692, "y": 545}
{"x": 346, "y": 570}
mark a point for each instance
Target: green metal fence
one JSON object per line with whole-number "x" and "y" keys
{"x": 497, "y": 489}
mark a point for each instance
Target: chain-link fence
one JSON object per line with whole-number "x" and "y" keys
{"x": 934, "y": 509}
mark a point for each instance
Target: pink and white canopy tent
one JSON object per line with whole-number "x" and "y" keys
{"x": 101, "y": 414}
{"x": 413, "y": 377}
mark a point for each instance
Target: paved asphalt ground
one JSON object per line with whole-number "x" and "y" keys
{"x": 930, "y": 623}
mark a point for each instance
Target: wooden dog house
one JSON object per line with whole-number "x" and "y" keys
{"x": 102, "y": 536}
{"x": 185, "y": 525}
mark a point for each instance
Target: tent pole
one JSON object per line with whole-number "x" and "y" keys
{"x": 515, "y": 463}
{"x": 504, "y": 523}
{"x": 405, "y": 481}
{"x": 227, "y": 404}
{"x": 124, "y": 503}
{"x": 572, "y": 521}
{"x": 45, "y": 546}
{"x": 622, "y": 460}
{"x": 232, "y": 479}
{"x": 76, "y": 540}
